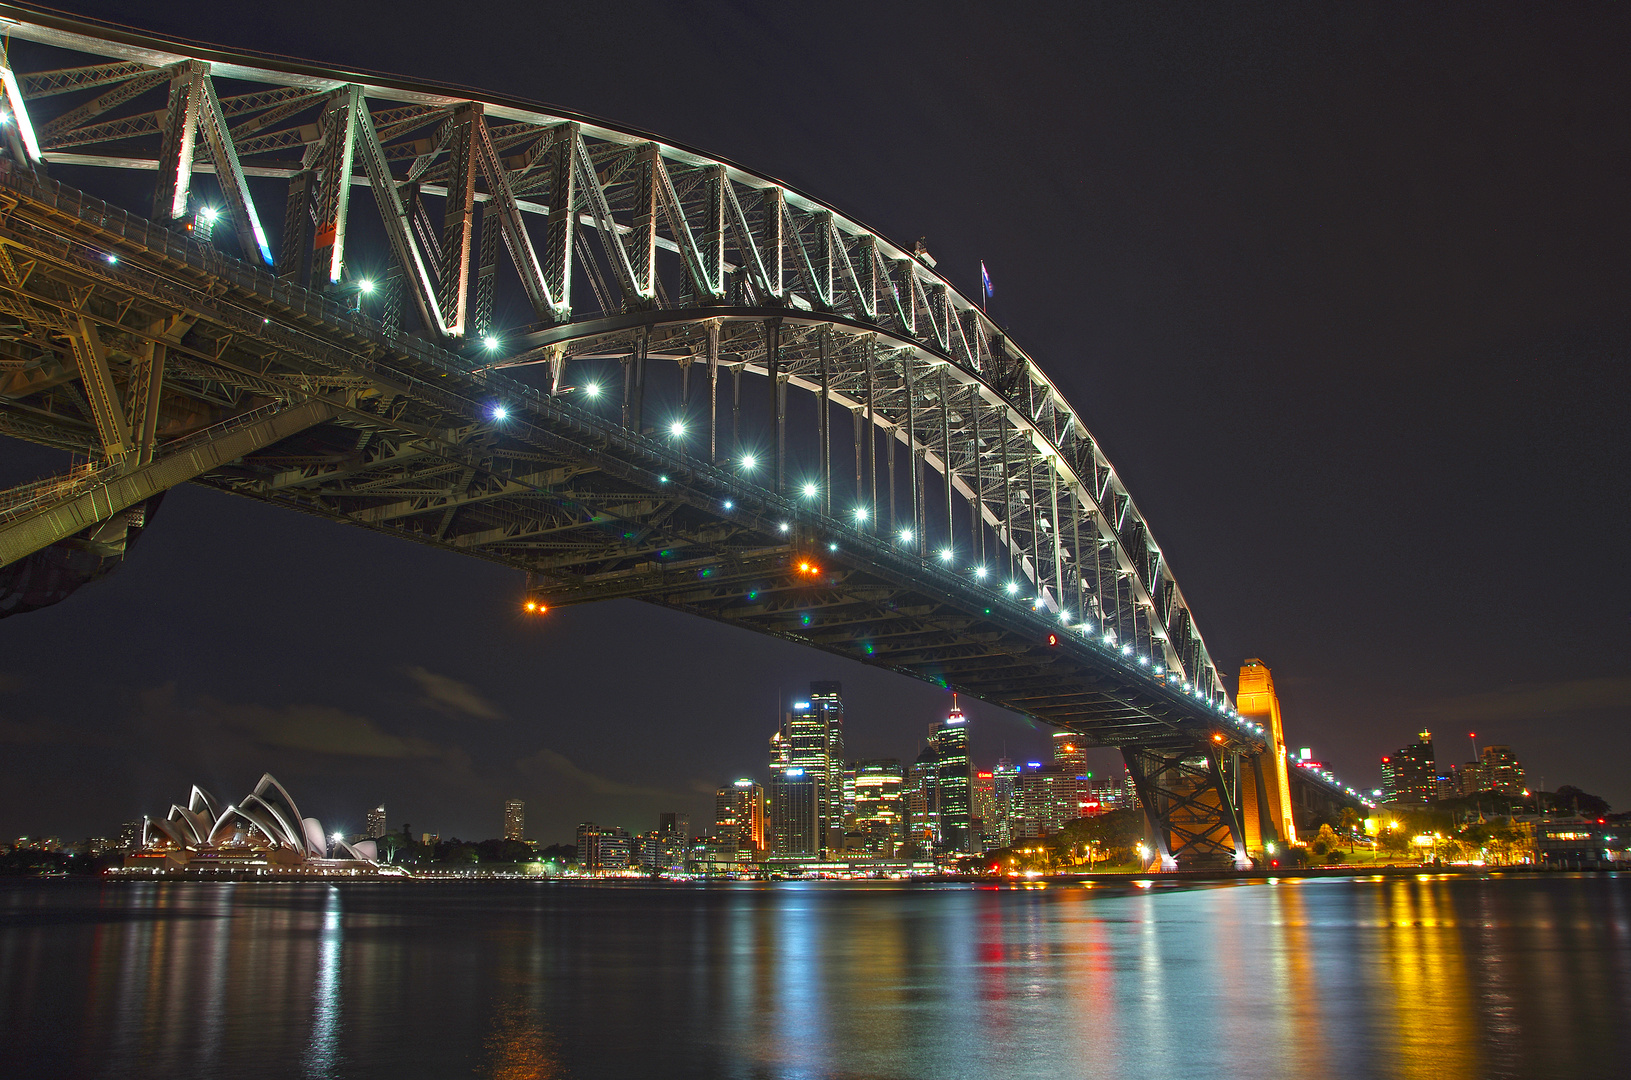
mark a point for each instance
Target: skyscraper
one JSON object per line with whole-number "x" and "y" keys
{"x": 1005, "y": 790}
{"x": 827, "y": 702}
{"x": 949, "y": 740}
{"x": 376, "y": 822}
{"x": 1409, "y": 774}
{"x": 603, "y": 849}
{"x": 983, "y": 806}
{"x": 739, "y": 811}
{"x": 514, "y": 819}
{"x": 1500, "y": 770}
{"x": 812, "y": 741}
{"x": 794, "y": 814}
{"x": 879, "y": 805}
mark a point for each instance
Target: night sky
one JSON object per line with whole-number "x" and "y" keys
{"x": 1344, "y": 291}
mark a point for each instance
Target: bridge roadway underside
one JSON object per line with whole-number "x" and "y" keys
{"x": 131, "y": 343}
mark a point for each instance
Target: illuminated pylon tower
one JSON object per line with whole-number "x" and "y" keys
{"x": 1265, "y": 796}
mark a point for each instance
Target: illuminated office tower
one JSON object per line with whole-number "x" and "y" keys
{"x": 739, "y": 811}
{"x": 827, "y": 703}
{"x": 1500, "y": 771}
{"x": 794, "y": 817}
{"x": 514, "y": 819}
{"x": 880, "y": 804}
{"x": 604, "y": 849}
{"x": 951, "y": 802}
{"x": 812, "y": 741}
{"x": 1409, "y": 774}
{"x": 376, "y": 822}
{"x": 1005, "y": 791}
{"x": 1069, "y": 751}
{"x": 983, "y": 807}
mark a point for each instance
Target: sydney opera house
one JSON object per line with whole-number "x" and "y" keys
{"x": 260, "y": 835}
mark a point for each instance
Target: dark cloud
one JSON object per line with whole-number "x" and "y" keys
{"x": 452, "y": 697}
{"x": 1533, "y": 701}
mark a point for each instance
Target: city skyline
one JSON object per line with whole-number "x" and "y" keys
{"x": 1292, "y": 391}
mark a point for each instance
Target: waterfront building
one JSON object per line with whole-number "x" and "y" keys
{"x": 1409, "y": 774}
{"x": 983, "y": 807}
{"x": 739, "y": 811}
{"x": 263, "y": 832}
{"x": 795, "y": 814}
{"x": 603, "y": 849}
{"x": 661, "y": 852}
{"x": 670, "y": 823}
{"x": 376, "y": 823}
{"x": 879, "y": 815}
{"x": 130, "y": 835}
{"x": 514, "y": 819}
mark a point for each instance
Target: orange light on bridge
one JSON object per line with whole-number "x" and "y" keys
{"x": 536, "y": 608}
{"x": 809, "y": 568}
{"x": 1217, "y": 736}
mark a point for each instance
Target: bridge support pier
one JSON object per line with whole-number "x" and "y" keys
{"x": 1191, "y": 806}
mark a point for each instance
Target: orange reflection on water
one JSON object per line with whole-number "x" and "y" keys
{"x": 1422, "y": 972}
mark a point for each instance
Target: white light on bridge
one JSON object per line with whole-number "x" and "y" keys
{"x": 979, "y": 572}
{"x": 906, "y": 536}
{"x": 945, "y": 555}
{"x": 729, "y": 505}
{"x": 785, "y": 526}
{"x": 500, "y": 413}
{"x": 832, "y": 547}
{"x": 1012, "y": 587}
{"x": 677, "y": 428}
{"x": 860, "y": 513}
{"x": 748, "y": 462}
{"x": 591, "y": 389}
{"x": 490, "y": 342}
{"x": 810, "y": 491}
{"x": 366, "y": 286}
{"x": 210, "y": 214}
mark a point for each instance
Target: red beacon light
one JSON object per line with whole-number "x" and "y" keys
{"x": 1053, "y": 639}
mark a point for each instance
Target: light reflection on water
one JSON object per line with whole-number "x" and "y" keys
{"x": 1404, "y": 977}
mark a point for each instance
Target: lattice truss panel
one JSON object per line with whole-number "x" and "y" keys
{"x": 623, "y": 250}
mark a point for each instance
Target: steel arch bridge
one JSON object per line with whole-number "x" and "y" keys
{"x": 730, "y": 399}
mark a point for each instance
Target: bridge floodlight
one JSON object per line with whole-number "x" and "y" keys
{"x": 113, "y": 260}
{"x": 832, "y": 547}
{"x": 729, "y": 505}
{"x": 785, "y": 526}
{"x": 945, "y": 554}
{"x": 860, "y": 513}
{"x": 677, "y": 428}
{"x": 210, "y": 214}
{"x": 980, "y": 572}
{"x": 1126, "y": 650}
{"x": 489, "y": 342}
{"x": 1144, "y": 660}
{"x": 748, "y": 462}
{"x": 1012, "y": 587}
{"x": 500, "y": 413}
{"x": 906, "y": 536}
{"x": 810, "y": 491}
{"x": 591, "y": 389}
{"x": 366, "y": 286}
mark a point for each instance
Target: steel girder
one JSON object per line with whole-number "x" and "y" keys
{"x": 124, "y": 338}
{"x": 1191, "y": 802}
{"x": 719, "y": 234}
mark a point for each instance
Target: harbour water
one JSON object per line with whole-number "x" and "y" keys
{"x": 1442, "y": 977}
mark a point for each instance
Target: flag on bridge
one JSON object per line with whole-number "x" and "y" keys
{"x": 985, "y": 282}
